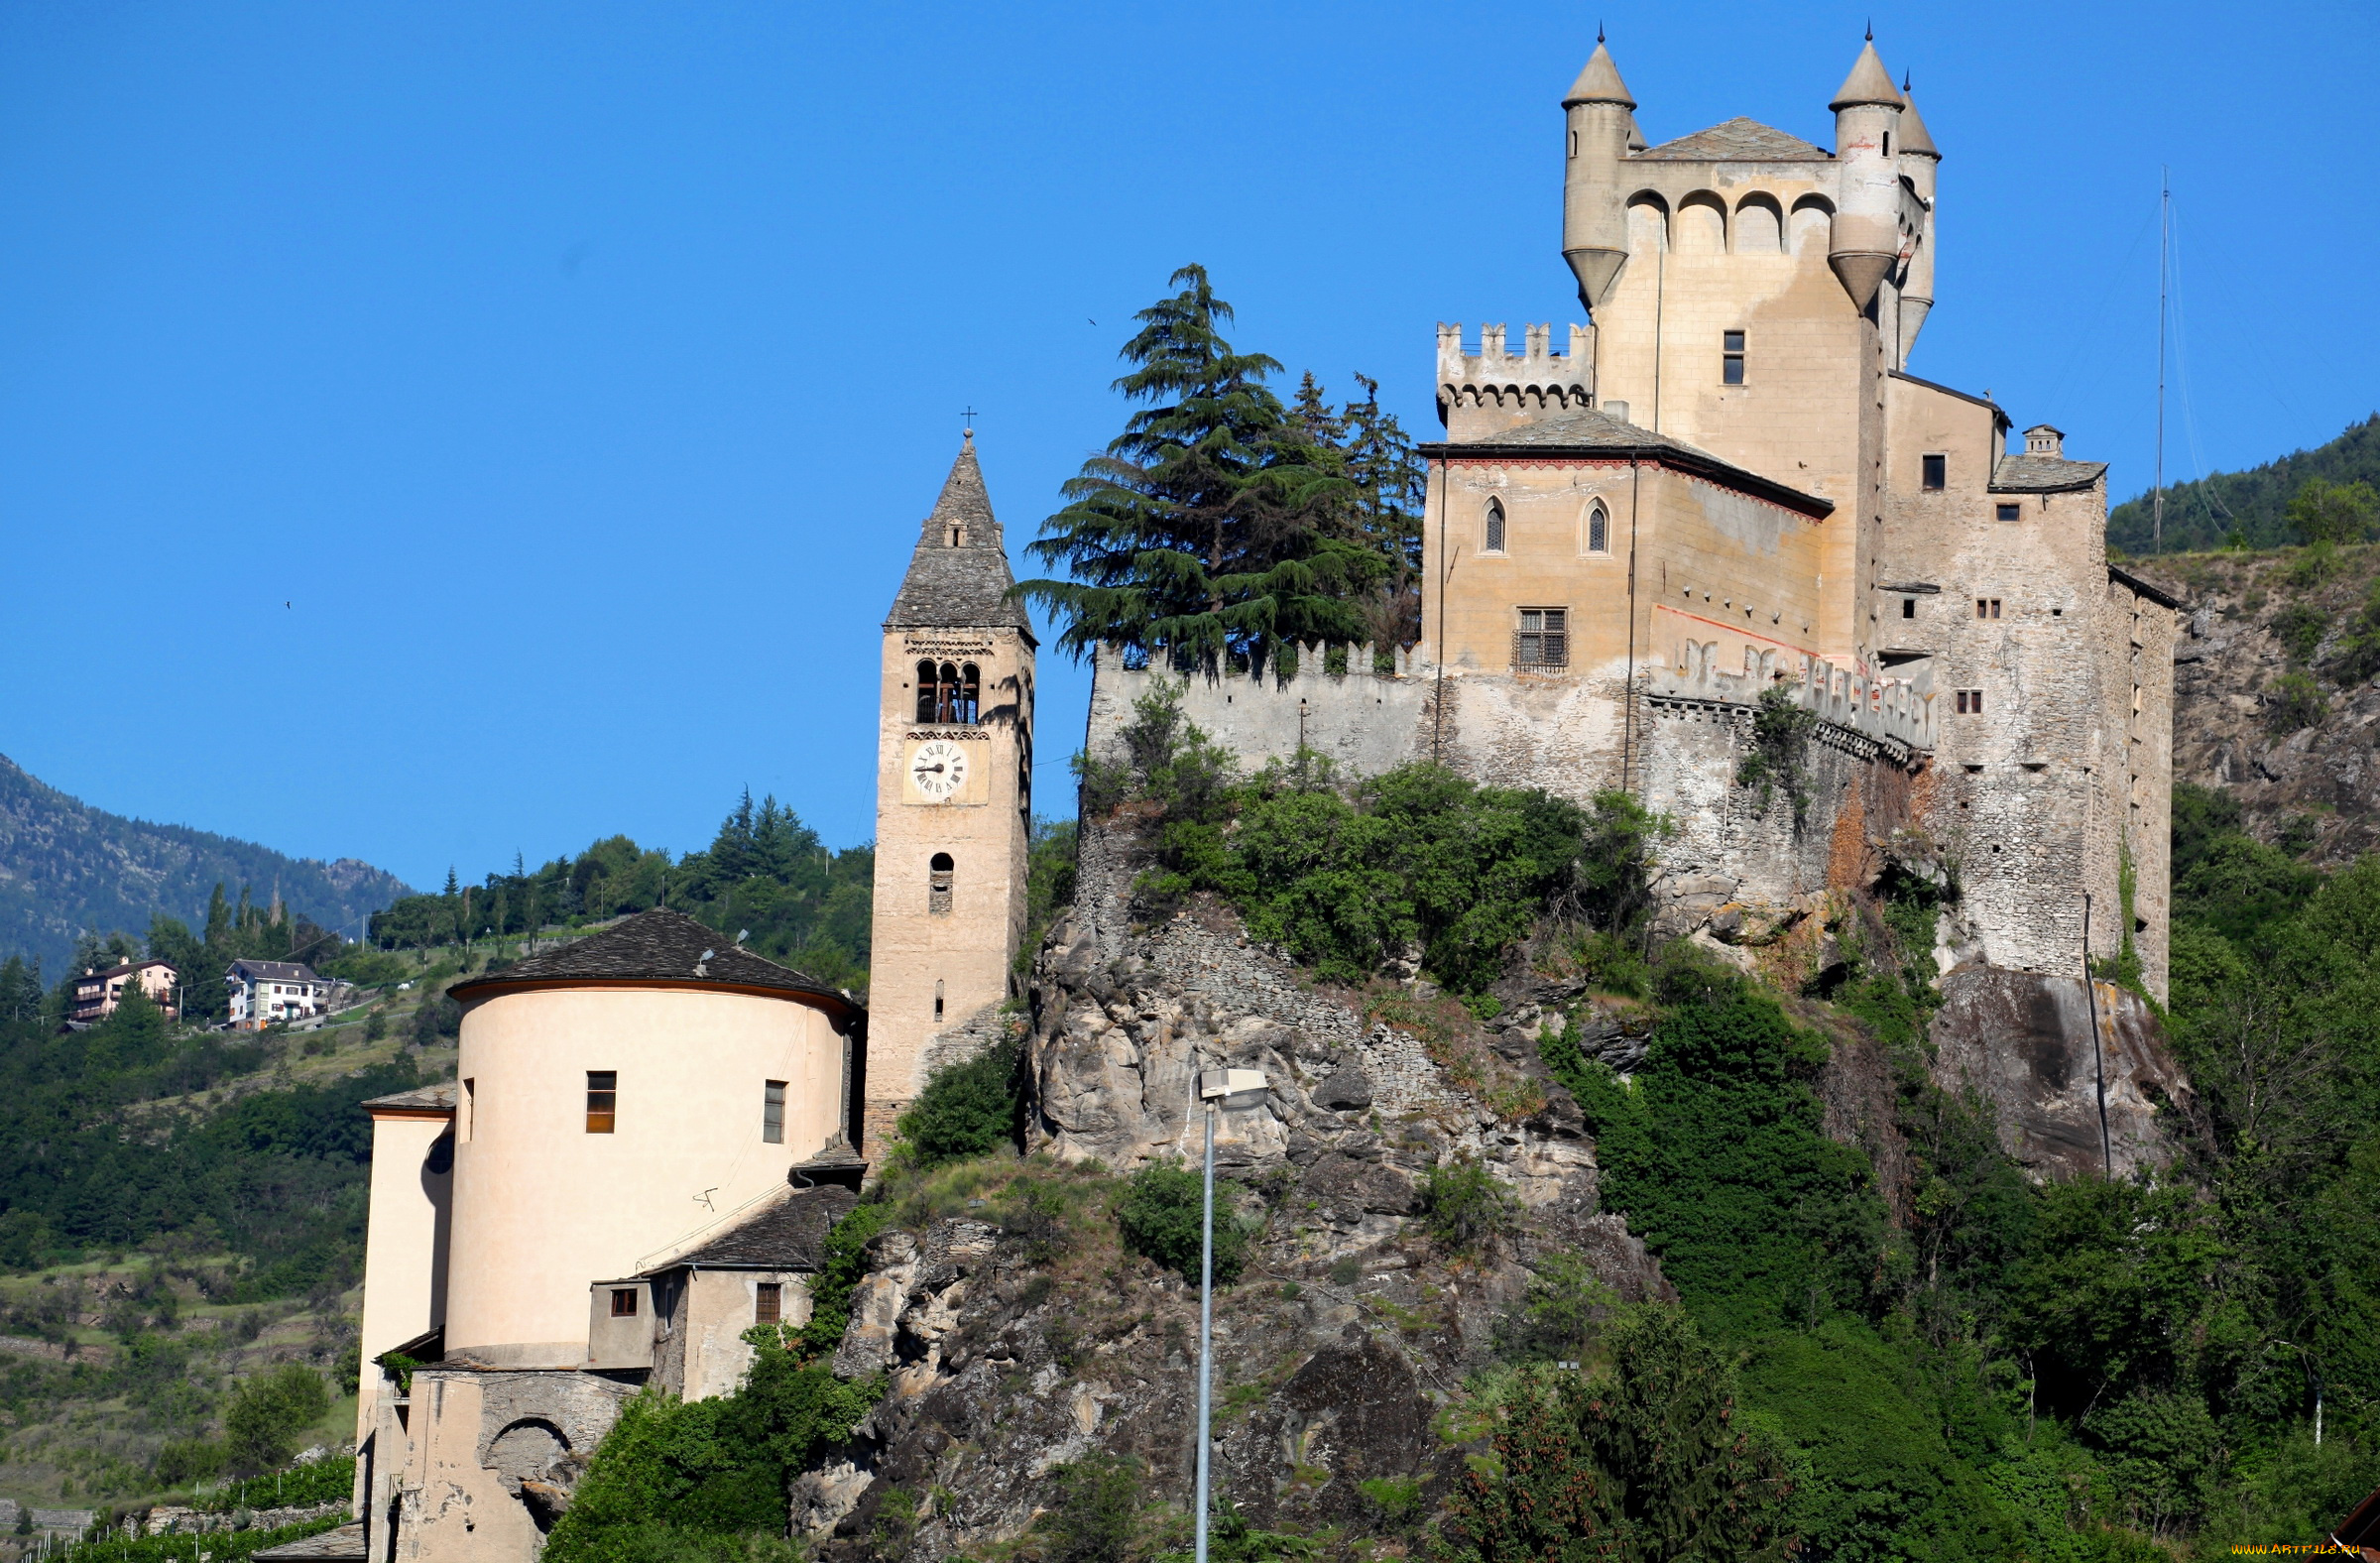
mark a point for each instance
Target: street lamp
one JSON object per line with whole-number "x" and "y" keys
{"x": 1215, "y": 1086}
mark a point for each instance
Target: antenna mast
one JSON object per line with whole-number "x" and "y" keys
{"x": 2165, "y": 208}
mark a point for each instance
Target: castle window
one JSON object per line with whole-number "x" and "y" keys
{"x": 958, "y": 536}
{"x": 1599, "y": 529}
{"x": 603, "y": 1100}
{"x": 2009, "y": 512}
{"x": 1937, "y": 473}
{"x": 624, "y": 1302}
{"x": 937, "y": 998}
{"x": 1495, "y": 527}
{"x": 927, "y": 684}
{"x": 1908, "y": 607}
{"x": 767, "y": 1302}
{"x": 773, "y": 1112}
{"x": 1987, "y": 607}
{"x": 939, "y": 873}
{"x": 1543, "y": 639}
{"x": 1730, "y": 362}
{"x": 470, "y": 1106}
{"x": 1971, "y": 702}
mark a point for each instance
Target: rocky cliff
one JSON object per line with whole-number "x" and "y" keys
{"x": 2271, "y": 699}
{"x": 1018, "y": 1336}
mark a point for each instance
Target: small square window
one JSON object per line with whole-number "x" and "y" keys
{"x": 624, "y": 1302}
{"x": 1731, "y": 361}
{"x": 773, "y": 1113}
{"x": 603, "y": 1100}
{"x": 767, "y": 1302}
{"x": 1987, "y": 607}
{"x": 1937, "y": 473}
{"x": 1908, "y": 607}
{"x": 2009, "y": 512}
{"x": 1971, "y": 702}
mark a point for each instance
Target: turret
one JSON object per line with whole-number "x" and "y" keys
{"x": 1920, "y": 162}
{"x": 1865, "y": 239}
{"x": 1595, "y": 232}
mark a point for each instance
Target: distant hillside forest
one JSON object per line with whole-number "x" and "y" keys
{"x": 765, "y": 876}
{"x": 68, "y": 870}
{"x": 2253, "y": 509}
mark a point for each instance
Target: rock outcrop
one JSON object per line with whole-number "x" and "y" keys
{"x": 2060, "y": 1064}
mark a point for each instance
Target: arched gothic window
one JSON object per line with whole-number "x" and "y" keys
{"x": 1599, "y": 529}
{"x": 1495, "y": 525}
{"x": 940, "y": 873}
{"x": 950, "y": 694}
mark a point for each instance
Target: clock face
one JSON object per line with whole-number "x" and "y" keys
{"x": 938, "y": 769}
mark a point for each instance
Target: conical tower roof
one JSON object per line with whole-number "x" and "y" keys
{"x": 1868, "y": 82}
{"x": 1599, "y": 82}
{"x": 959, "y": 575}
{"x": 1914, "y": 139}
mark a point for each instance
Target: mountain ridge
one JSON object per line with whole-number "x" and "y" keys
{"x": 67, "y": 868}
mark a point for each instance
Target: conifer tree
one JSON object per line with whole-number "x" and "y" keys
{"x": 1208, "y": 532}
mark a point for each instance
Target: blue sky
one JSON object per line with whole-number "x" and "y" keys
{"x": 576, "y": 374}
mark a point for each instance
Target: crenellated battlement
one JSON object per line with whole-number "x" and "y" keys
{"x": 1891, "y": 710}
{"x": 1495, "y": 388}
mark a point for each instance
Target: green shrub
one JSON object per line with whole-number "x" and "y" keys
{"x": 1159, "y": 1217}
{"x": 1094, "y": 1511}
{"x": 267, "y": 1413}
{"x": 967, "y": 1109}
{"x": 1557, "y": 1315}
{"x": 2296, "y": 703}
{"x": 1717, "y": 1154}
{"x": 1466, "y": 1204}
{"x": 2300, "y": 628}
{"x": 1647, "y": 1460}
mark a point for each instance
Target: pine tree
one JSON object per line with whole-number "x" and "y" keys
{"x": 1208, "y": 531}
{"x": 1391, "y": 481}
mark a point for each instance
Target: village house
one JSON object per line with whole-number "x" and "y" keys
{"x": 262, "y": 991}
{"x": 97, "y": 993}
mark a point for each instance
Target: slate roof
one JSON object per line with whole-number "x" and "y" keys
{"x": 276, "y": 970}
{"x": 1739, "y": 140}
{"x": 429, "y": 1099}
{"x": 790, "y": 1235}
{"x": 1588, "y": 432}
{"x": 660, "y": 945}
{"x": 964, "y": 587}
{"x": 344, "y": 1544}
{"x": 2021, "y": 474}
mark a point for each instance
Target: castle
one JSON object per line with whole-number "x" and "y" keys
{"x": 1728, "y": 490}
{"x": 1730, "y": 483}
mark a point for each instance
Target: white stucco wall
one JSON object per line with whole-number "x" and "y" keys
{"x": 541, "y": 1207}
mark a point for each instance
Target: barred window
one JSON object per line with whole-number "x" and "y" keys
{"x": 769, "y": 1302}
{"x": 1599, "y": 529}
{"x": 1495, "y": 527}
{"x": 1543, "y": 639}
{"x": 1971, "y": 702}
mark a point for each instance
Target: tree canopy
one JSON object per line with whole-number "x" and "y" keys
{"x": 1220, "y": 527}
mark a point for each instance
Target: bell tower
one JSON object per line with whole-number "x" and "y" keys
{"x": 954, "y": 773}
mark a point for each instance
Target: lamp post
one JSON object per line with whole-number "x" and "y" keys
{"x": 1215, "y": 1086}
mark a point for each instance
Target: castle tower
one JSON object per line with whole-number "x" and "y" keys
{"x": 953, "y": 795}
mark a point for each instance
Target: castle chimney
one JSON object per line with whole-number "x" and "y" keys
{"x": 2043, "y": 440}
{"x": 1595, "y": 234}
